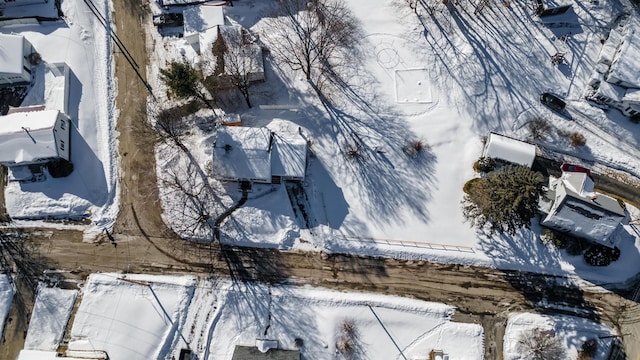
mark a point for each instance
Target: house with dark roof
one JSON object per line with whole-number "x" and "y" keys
{"x": 571, "y": 205}
{"x": 254, "y": 353}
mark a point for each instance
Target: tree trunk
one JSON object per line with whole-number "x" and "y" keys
{"x": 245, "y": 94}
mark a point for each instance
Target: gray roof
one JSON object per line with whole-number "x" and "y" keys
{"x": 252, "y": 353}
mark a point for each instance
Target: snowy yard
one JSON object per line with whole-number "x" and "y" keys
{"x": 90, "y": 191}
{"x": 571, "y": 331}
{"x": 145, "y": 316}
{"x": 446, "y": 79}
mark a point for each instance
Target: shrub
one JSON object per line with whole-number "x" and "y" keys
{"x": 577, "y": 139}
{"x": 598, "y": 255}
{"x": 575, "y": 246}
{"x": 588, "y": 349}
{"x": 554, "y": 238}
{"x": 538, "y": 344}
{"x": 414, "y": 148}
{"x": 59, "y": 168}
{"x": 353, "y": 150}
{"x": 484, "y": 164}
{"x": 539, "y": 128}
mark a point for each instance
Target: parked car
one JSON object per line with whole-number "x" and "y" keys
{"x": 552, "y": 102}
{"x": 575, "y": 168}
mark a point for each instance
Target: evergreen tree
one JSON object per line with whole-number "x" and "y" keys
{"x": 505, "y": 200}
{"x": 184, "y": 82}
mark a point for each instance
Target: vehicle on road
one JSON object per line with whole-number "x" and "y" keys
{"x": 575, "y": 168}
{"x": 553, "y": 102}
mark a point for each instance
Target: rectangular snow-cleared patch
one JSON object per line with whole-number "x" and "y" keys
{"x": 413, "y": 86}
{"x": 49, "y": 318}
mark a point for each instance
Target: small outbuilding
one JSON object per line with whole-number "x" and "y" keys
{"x": 509, "y": 150}
{"x": 15, "y": 68}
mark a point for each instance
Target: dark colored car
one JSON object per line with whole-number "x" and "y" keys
{"x": 552, "y": 102}
{"x": 574, "y": 168}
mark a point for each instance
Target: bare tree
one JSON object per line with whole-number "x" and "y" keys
{"x": 170, "y": 125}
{"x": 539, "y": 344}
{"x": 312, "y": 35}
{"x": 240, "y": 60}
{"x": 193, "y": 200}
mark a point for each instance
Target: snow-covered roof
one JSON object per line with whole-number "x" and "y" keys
{"x": 11, "y": 52}
{"x": 510, "y": 150}
{"x": 582, "y": 211}
{"x": 56, "y": 87}
{"x": 610, "y": 91}
{"x": 203, "y": 17}
{"x": 632, "y": 96}
{"x": 251, "y": 352}
{"x": 625, "y": 67}
{"x": 28, "y": 136}
{"x": 608, "y": 51}
{"x": 242, "y": 153}
{"x": 289, "y": 156}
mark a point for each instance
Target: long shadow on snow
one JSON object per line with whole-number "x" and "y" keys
{"x": 494, "y": 67}
{"x": 389, "y": 179}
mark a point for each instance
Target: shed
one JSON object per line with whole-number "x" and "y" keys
{"x": 34, "y": 137}
{"x": 509, "y": 150}
{"x": 14, "y": 64}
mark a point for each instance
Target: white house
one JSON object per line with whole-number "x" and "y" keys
{"x": 258, "y": 155}
{"x": 615, "y": 80}
{"x": 15, "y": 68}
{"x": 34, "y": 137}
{"x": 201, "y": 19}
{"x": 571, "y": 205}
{"x": 509, "y": 150}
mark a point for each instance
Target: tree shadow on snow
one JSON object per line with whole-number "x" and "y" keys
{"x": 490, "y": 66}
{"x": 370, "y": 139}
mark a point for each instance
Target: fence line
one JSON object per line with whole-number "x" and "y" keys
{"x": 408, "y": 243}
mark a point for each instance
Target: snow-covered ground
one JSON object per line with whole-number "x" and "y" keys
{"x": 90, "y": 191}
{"x": 6, "y": 297}
{"x": 447, "y": 79}
{"x": 145, "y": 317}
{"x": 571, "y": 331}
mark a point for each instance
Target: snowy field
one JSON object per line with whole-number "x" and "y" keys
{"x": 90, "y": 191}
{"x": 571, "y": 331}
{"x": 447, "y": 79}
{"x": 153, "y": 317}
